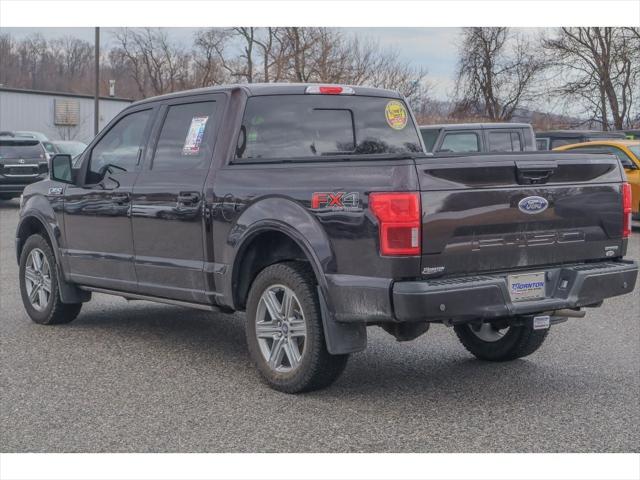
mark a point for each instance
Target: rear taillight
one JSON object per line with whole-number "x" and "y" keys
{"x": 398, "y": 214}
{"x": 626, "y": 210}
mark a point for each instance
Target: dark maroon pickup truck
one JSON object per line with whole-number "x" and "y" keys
{"x": 315, "y": 209}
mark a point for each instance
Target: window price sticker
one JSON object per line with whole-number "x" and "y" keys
{"x": 194, "y": 136}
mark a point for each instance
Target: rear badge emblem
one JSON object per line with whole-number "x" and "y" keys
{"x": 533, "y": 205}
{"x": 21, "y": 160}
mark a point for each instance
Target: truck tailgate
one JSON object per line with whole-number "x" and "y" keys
{"x": 504, "y": 212}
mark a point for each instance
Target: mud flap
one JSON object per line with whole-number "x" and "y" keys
{"x": 70, "y": 293}
{"x": 341, "y": 337}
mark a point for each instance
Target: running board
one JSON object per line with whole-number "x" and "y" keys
{"x": 137, "y": 296}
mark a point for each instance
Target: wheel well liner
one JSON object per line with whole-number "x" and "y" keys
{"x": 261, "y": 250}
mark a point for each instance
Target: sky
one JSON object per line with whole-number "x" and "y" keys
{"x": 433, "y": 48}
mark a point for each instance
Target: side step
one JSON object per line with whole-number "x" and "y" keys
{"x": 168, "y": 301}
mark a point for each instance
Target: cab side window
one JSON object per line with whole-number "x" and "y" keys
{"x": 506, "y": 141}
{"x": 460, "y": 142}
{"x": 186, "y": 138}
{"x": 119, "y": 150}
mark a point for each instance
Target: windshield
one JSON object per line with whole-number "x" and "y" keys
{"x": 303, "y": 126}
{"x": 18, "y": 150}
{"x": 636, "y": 151}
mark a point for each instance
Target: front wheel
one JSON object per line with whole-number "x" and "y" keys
{"x": 39, "y": 285}
{"x": 488, "y": 341}
{"x": 284, "y": 330}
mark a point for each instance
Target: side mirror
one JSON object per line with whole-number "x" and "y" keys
{"x": 60, "y": 170}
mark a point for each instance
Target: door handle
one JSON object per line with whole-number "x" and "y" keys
{"x": 121, "y": 197}
{"x": 188, "y": 198}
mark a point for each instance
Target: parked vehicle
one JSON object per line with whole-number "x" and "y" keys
{"x": 553, "y": 139}
{"x": 70, "y": 147}
{"x": 314, "y": 209}
{"x": 628, "y": 152}
{"x": 49, "y": 149}
{"x": 28, "y": 134}
{"x": 22, "y": 161}
{"x": 632, "y": 134}
{"x": 478, "y": 137}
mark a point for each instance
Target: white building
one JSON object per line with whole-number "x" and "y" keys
{"x": 60, "y": 116}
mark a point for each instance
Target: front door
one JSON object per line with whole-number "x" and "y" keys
{"x": 97, "y": 215}
{"x": 168, "y": 203}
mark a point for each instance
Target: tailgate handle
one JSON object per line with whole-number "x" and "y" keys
{"x": 533, "y": 173}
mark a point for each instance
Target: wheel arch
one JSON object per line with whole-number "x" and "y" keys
{"x": 285, "y": 222}
{"x": 269, "y": 242}
{"x": 31, "y": 224}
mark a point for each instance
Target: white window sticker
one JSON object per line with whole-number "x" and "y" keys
{"x": 194, "y": 136}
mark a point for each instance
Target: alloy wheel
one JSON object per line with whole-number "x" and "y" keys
{"x": 37, "y": 277}
{"x": 281, "y": 328}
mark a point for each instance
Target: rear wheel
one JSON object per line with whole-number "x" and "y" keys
{"x": 39, "y": 285}
{"x": 488, "y": 341}
{"x": 284, "y": 330}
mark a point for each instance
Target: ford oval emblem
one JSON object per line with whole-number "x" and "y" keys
{"x": 533, "y": 205}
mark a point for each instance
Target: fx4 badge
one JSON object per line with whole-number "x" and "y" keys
{"x": 342, "y": 201}
{"x": 55, "y": 190}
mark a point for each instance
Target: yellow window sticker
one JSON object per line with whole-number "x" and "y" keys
{"x": 396, "y": 115}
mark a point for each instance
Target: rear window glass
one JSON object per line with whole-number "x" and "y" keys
{"x": 302, "y": 126}
{"x": 507, "y": 141}
{"x": 429, "y": 137}
{"x": 8, "y": 150}
{"x": 460, "y": 142}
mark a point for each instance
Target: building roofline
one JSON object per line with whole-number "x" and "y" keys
{"x": 60, "y": 94}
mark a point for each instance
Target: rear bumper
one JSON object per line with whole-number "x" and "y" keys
{"x": 487, "y": 296}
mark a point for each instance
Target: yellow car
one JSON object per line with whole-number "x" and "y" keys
{"x": 628, "y": 151}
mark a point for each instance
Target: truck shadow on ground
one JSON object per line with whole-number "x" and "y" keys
{"x": 425, "y": 371}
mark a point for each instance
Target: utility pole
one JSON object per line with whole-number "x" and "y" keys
{"x": 96, "y": 95}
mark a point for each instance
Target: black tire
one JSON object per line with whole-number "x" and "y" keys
{"x": 317, "y": 368}
{"x": 517, "y": 342}
{"x": 55, "y": 311}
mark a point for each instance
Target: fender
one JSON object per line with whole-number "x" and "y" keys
{"x": 292, "y": 219}
{"x": 39, "y": 208}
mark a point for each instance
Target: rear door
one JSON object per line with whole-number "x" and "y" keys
{"x": 168, "y": 204}
{"x": 500, "y": 212}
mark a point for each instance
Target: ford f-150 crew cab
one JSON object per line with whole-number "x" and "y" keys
{"x": 314, "y": 209}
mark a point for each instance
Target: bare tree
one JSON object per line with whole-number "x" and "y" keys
{"x": 155, "y": 63}
{"x": 209, "y": 57}
{"x": 600, "y": 67}
{"x": 496, "y": 72}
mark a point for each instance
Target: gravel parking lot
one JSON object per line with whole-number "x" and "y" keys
{"x": 148, "y": 378}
